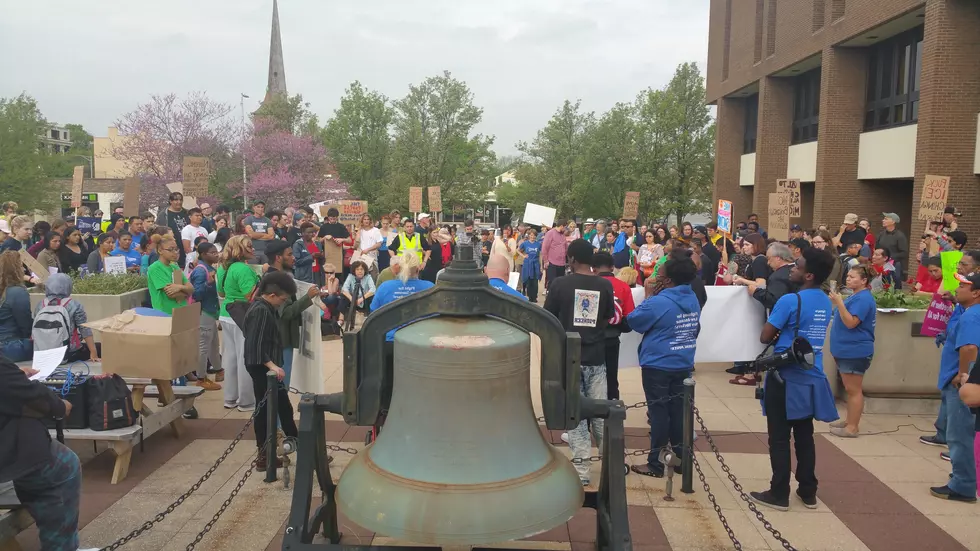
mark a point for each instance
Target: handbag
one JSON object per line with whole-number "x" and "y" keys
{"x": 110, "y": 403}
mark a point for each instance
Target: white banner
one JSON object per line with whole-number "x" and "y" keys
{"x": 731, "y": 324}
{"x": 307, "y": 375}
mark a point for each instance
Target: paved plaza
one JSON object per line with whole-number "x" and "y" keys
{"x": 874, "y": 490}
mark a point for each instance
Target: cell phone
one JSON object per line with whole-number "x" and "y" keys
{"x": 833, "y": 286}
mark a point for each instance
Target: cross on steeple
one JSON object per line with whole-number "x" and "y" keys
{"x": 277, "y": 68}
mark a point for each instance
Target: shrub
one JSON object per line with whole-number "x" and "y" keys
{"x": 898, "y": 299}
{"x": 107, "y": 284}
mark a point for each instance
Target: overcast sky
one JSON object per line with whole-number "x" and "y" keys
{"x": 89, "y": 62}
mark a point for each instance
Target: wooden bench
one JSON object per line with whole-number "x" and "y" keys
{"x": 13, "y": 518}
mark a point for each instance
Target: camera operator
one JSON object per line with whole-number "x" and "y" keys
{"x": 795, "y": 394}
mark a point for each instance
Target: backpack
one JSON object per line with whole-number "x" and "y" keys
{"x": 447, "y": 254}
{"x": 53, "y": 327}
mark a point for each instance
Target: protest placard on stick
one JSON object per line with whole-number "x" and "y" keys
{"x": 197, "y": 174}
{"x": 131, "y": 196}
{"x": 778, "y": 214}
{"x": 631, "y": 205}
{"x": 435, "y": 199}
{"x": 77, "y": 181}
{"x": 791, "y": 187}
{"x": 415, "y": 199}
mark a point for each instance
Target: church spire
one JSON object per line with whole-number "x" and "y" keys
{"x": 277, "y": 68}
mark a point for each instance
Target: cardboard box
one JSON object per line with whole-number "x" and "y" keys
{"x": 150, "y": 347}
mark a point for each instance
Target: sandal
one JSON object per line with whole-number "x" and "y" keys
{"x": 645, "y": 470}
{"x": 742, "y": 380}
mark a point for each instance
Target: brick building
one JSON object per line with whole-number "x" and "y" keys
{"x": 859, "y": 99}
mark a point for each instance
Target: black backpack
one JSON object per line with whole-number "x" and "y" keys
{"x": 110, "y": 403}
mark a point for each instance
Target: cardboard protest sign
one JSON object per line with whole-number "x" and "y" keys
{"x": 178, "y": 187}
{"x": 350, "y": 211}
{"x": 34, "y": 266}
{"x": 792, "y": 187}
{"x": 131, "y": 197}
{"x": 631, "y": 205}
{"x": 539, "y": 215}
{"x": 307, "y": 362}
{"x": 725, "y": 216}
{"x": 77, "y": 180}
{"x": 935, "y": 193}
{"x": 778, "y": 214}
{"x": 197, "y": 174}
{"x": 435, "y": 199}
{"x": 415, "y": 199}
{"x": 116, "y": 265}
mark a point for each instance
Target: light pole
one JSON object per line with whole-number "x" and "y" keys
{"x": 91, "y": 164}
{"x": 244, "y": 174}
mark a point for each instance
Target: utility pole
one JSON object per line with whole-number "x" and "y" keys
{"x": 244, "y": 174}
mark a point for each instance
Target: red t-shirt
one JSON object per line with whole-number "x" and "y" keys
{"x": 623, "y": 294}
{"x": 928, "y": 284}
{"x": 314, "y": 250}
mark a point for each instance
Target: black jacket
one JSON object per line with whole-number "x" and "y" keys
{"x": 777, "y": 285}
{"x": 24, "y": 440}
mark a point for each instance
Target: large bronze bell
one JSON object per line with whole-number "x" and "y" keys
{"x": 461, "y": 459}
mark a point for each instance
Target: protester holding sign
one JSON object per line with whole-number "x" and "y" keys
{"x": 96, "y": 259}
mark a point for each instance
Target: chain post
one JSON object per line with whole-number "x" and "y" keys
{"x": 687, "y": 454}
{"x": 272, "y": 415}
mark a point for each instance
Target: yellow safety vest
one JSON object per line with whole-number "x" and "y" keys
{"x": 406, "y": 244}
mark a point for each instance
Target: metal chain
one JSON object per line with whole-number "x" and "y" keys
{"x": 714, "y": 503}
{"x": 738, "y": 488}
{"x": 197, "y": 485}
{"x": 336, "y": 448}
{"x": 657, "y": 401}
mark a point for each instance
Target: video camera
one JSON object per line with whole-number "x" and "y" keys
{"x": 799, "y": 353}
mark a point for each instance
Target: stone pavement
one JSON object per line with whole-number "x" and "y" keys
{"x": 874, "y": 490}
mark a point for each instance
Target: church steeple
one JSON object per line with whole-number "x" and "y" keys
{"x": 277, "y": 68}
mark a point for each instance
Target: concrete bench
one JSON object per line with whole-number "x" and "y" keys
{"x": 13, "y": 518}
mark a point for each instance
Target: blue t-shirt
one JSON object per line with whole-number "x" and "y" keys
{"x": 949, "y": 359}
{"x": 390, "y": 291}
{"x": 133, "y": 257}
{"x": 501, "y": 285}
{"x": 814, "y": 319}
{"x": 858, "y": 342}
{"x": 669, "y": 322}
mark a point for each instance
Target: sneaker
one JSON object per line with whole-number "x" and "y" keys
{"x": 261, "y": 464}
{"x": 246, "y": 409}
{"x": 208, "y": 384}
{"x": 190, "y": 414}
{"x": 932, "y": 441}
{"x": 767, "y": 499}
{"x": 564, "y": 437}
{"x": 230, "y": 406}
{"x": 841, "y": 432}
{"x": 945, "y": 456}
{"x": 943, "y": 492}
{"x": 809, "y": 501}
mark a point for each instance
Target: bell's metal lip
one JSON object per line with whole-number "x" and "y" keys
{"x": 443, "y": 487}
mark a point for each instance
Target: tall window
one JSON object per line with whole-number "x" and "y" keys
{"x": 894, "y": 69}
{"x": 728, "y": 40}
{"x": 771, "y": 29}
{"x": 760, "y": 10}
{"x": 806, "y": 107}
{"x": 837, "y": 9}
{"x": 819, "y": 13}
{"x": 751, "y": 123}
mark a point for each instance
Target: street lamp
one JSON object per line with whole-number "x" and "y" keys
{"x": 244, "y": 175}
{"x": 91, "y": 164}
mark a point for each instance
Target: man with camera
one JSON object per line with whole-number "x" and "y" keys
{"x": 796, "y": 390}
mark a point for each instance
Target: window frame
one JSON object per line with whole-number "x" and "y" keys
{"x": 750, "y": 133}
{"x": 806, "y": 107}
{"x": 887, "y": 60}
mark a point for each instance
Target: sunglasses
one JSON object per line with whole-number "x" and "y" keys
{"x": 330, "y": 273}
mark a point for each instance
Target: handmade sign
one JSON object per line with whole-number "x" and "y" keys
{"x": 937, "y": 316}
{"x": 350, "y": 211}
{"x": 792, "y": 187}
{"x": 435, "y": 199}
{"x": 78, "y": 178}
{"x": 725, "y": 216}
{"x": 116, "y": 265}
{"x": 131, "y": 197}
{"x": 35, "y": 267}
{"x": 539, "y": 215}
{"x": 415, "y": 199}
{"x": 935, "y": 193}
{"x": 197, "y": 174}
{"x": 631, "y": 205}
{"x": 778, "y": 214}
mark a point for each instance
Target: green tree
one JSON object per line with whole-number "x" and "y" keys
{"x": 613, "y": 164}
{"x": 22, "y": 157}
{"x": 81, "y": 141}
{"x": 679, "y": 135}
{"x": 554, "y": 163}
{"x": 62, "y": 165}
{"x": 434, "y": 144}
{"x": 358, "y": 141}
{"x": 288, "y": 114}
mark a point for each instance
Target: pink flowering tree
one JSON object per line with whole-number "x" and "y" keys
{"x": 158, "y": 134}
{"x": 285, "y": 169}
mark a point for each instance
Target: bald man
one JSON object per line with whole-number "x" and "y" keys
{"x": 498, "y": 271}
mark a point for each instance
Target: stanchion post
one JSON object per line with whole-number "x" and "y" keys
{"x": 272, "y": 414}
{"x": 687, "y": 455}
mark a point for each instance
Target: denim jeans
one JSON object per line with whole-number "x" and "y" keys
{"x": 51, "y": 494}
{"x": 666, "y": 417}
{"x": 17, "y": 350}
{"x": 940, "y": 423}
{"x": 287, "y": 365}
{"x": 593, "y": 385}
{"x": 960, "y": 435}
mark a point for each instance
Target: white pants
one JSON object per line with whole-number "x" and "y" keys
{"x": 238, "y": 384}
{"x": 208, "y": 348}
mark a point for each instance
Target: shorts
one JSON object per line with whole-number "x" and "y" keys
{"x": 853, "y": 366}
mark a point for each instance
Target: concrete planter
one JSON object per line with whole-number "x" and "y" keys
{"x": 903, "y": 373}
{"x": 103, "y": 306}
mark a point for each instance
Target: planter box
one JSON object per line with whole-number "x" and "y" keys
{"x": 905, "y": 364}
{"x": 103, "y": 306}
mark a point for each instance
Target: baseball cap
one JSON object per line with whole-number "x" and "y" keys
{"x": 972, "y": 279}
{"x": 893, "y": 216}
{"x": 4, "y": 226}
{"x": 423, "y": 216}
{"x": 796, "y": 227}
{"x": 952, "y": 210}
{"x": 851, "y": 218}
{"x": 701, "y": 229}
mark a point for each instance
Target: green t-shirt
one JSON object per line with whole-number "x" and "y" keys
{"x": 660, "y": 262}
{"x": 158, "y": 276}
{"x": 236, "y": 286}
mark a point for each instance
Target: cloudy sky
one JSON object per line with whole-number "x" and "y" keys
{"x": 89, "y": 62}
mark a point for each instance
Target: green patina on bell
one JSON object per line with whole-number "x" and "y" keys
{"x": 461, "y": 459}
